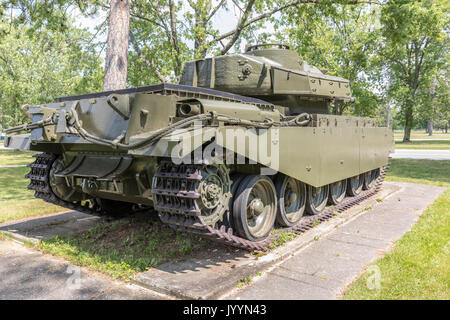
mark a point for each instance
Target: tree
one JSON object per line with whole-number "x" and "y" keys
{"x": 37, "y": 69}
{"x": 165, "y": 33}
{"x": 414, "y": 47}
{"x": 341, "y": 40}
{"x": 116, "y": 61}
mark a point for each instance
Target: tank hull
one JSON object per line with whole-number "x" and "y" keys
{"x": 215, "y": 163}
{"x": 317, "y": 156}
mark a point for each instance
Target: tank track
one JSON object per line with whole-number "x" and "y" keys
{"x": 175, "y": 191}
{"x": 39, "y": 182}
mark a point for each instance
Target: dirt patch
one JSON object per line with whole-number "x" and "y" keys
{"x": 127, "y": 246}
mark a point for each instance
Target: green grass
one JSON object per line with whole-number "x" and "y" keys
{"x": 245, "y": 281}
{"x": 433, "y": 144}
{"x": 432, "y": 172}
{"x": 11, "y": 157}
{"x": 420, "y": 134}
{"x": 125, "y": 247}
{"x": 418, "y": 266}
{"x": 283, "y": 237}
{"x": 16, "y": 201}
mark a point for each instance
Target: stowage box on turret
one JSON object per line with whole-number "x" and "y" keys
{"x": 243, "y": 143}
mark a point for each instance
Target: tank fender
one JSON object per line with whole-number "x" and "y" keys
{"x": 18, "y": 141}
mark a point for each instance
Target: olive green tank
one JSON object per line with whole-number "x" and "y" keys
{"x": 244, "y": 143}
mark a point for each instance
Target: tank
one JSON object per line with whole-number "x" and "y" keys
{"x": 243, "y": 144}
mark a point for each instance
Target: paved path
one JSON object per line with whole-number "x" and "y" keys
{"x": 421, "y": 154}
{"x": 14, "y": 166}
{"x": 48, "y": 226}
{"x": 29, "y": 274}
{"x": 323, "y": 269}
{"x": 432, "y": 139}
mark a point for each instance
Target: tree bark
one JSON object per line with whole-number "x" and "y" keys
{"x": 388, "y": 115}
{"x": 408, "y": 124}
{"x": 117, "y": 48}
{"x": 430, "y": 127}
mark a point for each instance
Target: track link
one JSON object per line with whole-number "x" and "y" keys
{"x": 173, "y": 182}
{"x": 39, "y": 182}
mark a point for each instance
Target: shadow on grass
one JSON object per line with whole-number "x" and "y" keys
{"x": 13, "y": 184}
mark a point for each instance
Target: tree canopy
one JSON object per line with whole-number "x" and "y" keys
{"x": 37, "y": 69}
{"x": 395, "y": 52}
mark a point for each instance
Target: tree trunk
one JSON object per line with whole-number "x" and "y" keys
{"x": 117, "y": 49}
{"x": 408, "y": 125}
{"x": 388, "y": 115}
{"x": 430, "y": 127}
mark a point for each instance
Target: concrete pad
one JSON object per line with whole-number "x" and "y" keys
{"x": 20, "y": 266}
{"x": 345, "y": 259}
{"x": 26, "y": 274}
{"x": 327, "y": 266}
{"x": 49, "y": 226}
{"x": 205, "y": 277}
{"x": 129, "y": 292}
{"x": 298, "y": 290}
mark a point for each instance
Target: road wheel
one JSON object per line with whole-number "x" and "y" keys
{"x": 317, "y": 199}
{"x": 228, "y": 215}
{"x": 370, "y": 179}
{"x": 255, "y": 207}
{"x": 355, "y": 185}
{"x": 291, "y": 198}
{"x": 337, "y": 192}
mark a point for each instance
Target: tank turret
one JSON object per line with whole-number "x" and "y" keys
{"x": 271, "y": 72}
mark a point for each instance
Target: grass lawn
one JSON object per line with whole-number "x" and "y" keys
{"x": 16, "y": 201}
{"x": 418, "y": 265}
{"x": 432, "y": 144}
{"x": 125, "y": 247}
{"x": 434, "y": 172}
{"x": 420, "y": 134}
{"x": 10, "y": 157}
